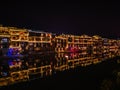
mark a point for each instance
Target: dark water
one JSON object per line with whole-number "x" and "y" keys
{"x": 100, "y": 76}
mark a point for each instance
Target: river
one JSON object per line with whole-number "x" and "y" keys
{"x": 101, "y": 76}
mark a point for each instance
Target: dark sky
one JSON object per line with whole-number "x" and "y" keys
{"x": 101, "y": 18}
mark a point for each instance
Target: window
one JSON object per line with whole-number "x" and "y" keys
{"x": 37, "y": 39}
{"x": 70, "y": 39}
{"x": 4, "y": 40}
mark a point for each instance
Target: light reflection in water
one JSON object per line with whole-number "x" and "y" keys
{"x": 28, "y": 67}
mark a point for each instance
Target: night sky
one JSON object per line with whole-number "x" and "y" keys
{"x": 101, "y": 18}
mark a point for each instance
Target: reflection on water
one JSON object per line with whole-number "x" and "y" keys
{"x": 112, "y": 82}
{"x": 14, "y": 70}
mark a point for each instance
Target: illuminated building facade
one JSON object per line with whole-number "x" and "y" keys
{"x": 68, "y": 51}
{"x": 39, "y": 41}
{"x": 25, "y": 40}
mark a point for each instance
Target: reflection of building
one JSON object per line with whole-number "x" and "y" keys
{"x": 61, "y": 62}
